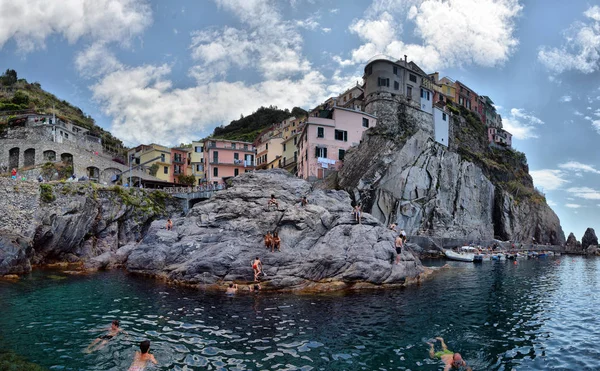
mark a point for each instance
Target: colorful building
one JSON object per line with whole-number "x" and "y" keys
{"x": 352, "y": 98}
{"x": 145, "y": 156}
{"x": 180, "y": 163}
{"x": 325, "y": 138}
{"x": 227, "y": 158}
{"x": 269, "y": 148}
{"x": 499, "y": 137}
{"x": 490, "y": 117}
{"x": 444, "y": 90}
{"x": 197, "y": 162}
{"x": 466, "y": 97}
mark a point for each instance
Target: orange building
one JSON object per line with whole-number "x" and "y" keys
{"x": 227, "y": 158}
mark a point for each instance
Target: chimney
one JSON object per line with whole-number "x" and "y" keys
{"x": 405, "y": 60}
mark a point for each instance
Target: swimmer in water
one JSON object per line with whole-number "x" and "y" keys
{"x": 452, "y": 361}
{"x": 141, "y": 358}
{"x": 232, "y": 289}
{"x": 101, "y": 341}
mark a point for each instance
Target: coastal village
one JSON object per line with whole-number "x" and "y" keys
{"x": 309, "y": 147}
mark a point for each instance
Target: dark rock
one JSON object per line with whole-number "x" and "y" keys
{"x": 589, "y": 238}
{"x": 322, "y": 247}
{"x": 15, "y": 252}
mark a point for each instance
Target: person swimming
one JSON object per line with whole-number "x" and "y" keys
{"x": 103, "y": 340}
{"x": 232, "y": 289}
{"x": 451, "y": 360}
{"x": 142, "y": 357}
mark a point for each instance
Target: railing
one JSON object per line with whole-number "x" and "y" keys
{"x": 194, "y": 189}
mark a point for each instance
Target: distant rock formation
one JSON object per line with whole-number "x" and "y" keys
{"x": 322, "y": 247}
{"x": 572, "y": 241}
{"x": 589, "y": 238}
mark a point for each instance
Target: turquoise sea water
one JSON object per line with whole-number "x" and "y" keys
{"x": 536, "y": 315}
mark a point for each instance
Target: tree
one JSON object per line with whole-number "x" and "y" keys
{"x": 9, "y": 77}
{"x": 21, "y": 97}
{"x": 152, "y": 170}
{"x": 187, "y": 180}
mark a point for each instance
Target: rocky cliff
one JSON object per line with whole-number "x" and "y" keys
{"x": 322, "y": 247}
{"x": 469, "y": 190}
{"x": 71, "y": 222}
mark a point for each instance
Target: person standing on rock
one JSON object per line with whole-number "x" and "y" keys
{"x": 257, "y": 268}
{"x": 303, "y": 201}
{"x": 357, "y": 214}
{"x": 398, "y": 243}
{"x": 169, "y": 224}
{"x": 276, "y": 242}
{"x": 273, "y": 201}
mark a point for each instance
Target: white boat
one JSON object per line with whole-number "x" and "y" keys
{"x": 459, "y": 256}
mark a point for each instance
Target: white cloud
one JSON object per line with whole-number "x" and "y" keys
{"x": 334, "y": 11}
{"x": 31, "y": 22}
{"x": 309, "y": 23}
{"x": 596, "y": 125}
{"x": 565, "y": 98}
{"x": 578, "y": 166}
{"x": 453, "y": 32}
{"x": 548, "y": 179}
{"x": 326, "y": 30}
{"x": 96, "y": 60}
{"x": 585, "y": 193}
{"x": 520, "y": 124}
{"x": 581, "y": 49}
{"x": 266, "y": 42}
{"x": 551, "y": 203}
{"x": 573, "y": 206}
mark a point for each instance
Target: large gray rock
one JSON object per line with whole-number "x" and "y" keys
{"x": 15, "y": 252}
{"x": 322, "y": 246}
{"x": 572, "y": 245}
{"x": 589, "y": 238}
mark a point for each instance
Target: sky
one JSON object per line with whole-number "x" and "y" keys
{"x": 171, "y": 71}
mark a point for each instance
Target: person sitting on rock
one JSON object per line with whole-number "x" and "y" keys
{"x": 276, "y": 242}
{"x": 403, "y": 235}
{"x": 398, "y": 244}
{"x": 451, "y": 360}
{"x": 273, "y": 201}
{"x": 303, "y": 201}
{"x": 169, "y": 224}
{"x": 393, "y": 227}
{"x": 268, "y": 240}
{"x": 232, "y": 289}
{"x": 257, "y": 268}
{"x": 357, "y": 212}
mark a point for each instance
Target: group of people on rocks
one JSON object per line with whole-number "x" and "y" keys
{"x": 272, "y": 241}
{"x": 141, "y": 357}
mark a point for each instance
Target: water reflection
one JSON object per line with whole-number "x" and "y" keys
{"x": 500, "y": 316}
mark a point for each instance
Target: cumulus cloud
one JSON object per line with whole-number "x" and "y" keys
{"x": 596, "y": 125}
{"x": 585, "y": 193}
{"x": 578, "y": 166}
{"x": 453, "y": 32}
{"x": 548, "y": 179}
{"x": 521, "y": 124}
{"x": 573, "y": 206}
{"x": 31, "y": 22}
{"x": 566, "y": 98}
{"x": 96, "y": 60}
{"x": 581, "y": 48}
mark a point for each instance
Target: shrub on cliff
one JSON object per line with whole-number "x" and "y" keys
{"x": 47, "y": 193}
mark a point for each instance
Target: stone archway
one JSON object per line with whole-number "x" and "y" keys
{"x": 109, "y": 175}
{"x": 13, "y": 158}
{"x": 49, "y": 156}
{"x": 93, "y": 173}
{"x": 67, "y": 158}
{"x": 29, "y": 157}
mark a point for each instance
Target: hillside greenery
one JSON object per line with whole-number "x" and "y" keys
{"x": 247, "y": 128}
{"x": 19, "y": 95}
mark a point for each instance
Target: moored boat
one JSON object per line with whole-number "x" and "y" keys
{"x": 459, "y": 256}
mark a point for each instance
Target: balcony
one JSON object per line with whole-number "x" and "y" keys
{"x": 230, "y": 148}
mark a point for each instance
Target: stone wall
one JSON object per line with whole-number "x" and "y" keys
{"x": 399, "y": 114}
{"x": 18, "y": 201}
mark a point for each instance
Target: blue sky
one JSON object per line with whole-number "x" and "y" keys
{"x": 170, "y": 71}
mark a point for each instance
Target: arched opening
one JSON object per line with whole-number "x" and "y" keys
{"x": 49, "y": 156}
{"x": 13, "y": 158}
{"x": 67, "y": 158}
{"x": 93, "y": 173}
{"x": 110, "y": 175}
{"x": 29, "y": 157}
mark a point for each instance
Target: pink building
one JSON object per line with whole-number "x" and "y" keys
{"x": 326, "y": 137}
{"x": 180, "y": 159}
{"x": 227, "y": 158}
{"x": 500, "y": 137}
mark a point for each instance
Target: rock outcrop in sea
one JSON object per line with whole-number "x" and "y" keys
{"x": 322, "y": 247}
{"x": 589, "y": 238}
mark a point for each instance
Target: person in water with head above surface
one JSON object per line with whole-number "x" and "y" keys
{"x": 452, "y": 361}
{"x": 141, "y": 359}
{"x": 103, "y": 340}
{"x": 232, "y": 289}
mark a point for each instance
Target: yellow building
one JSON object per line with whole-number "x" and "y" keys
{"x": 289, "y": 156}
{"x": 147, "y": 155}
{"x": 197, "y": 161}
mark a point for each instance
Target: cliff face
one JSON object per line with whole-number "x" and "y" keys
{"x": 71, "y": 222}
{"x": 322, "y": 247}
{"x": 471, "y": 191}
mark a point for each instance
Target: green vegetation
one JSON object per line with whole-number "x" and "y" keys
{"x": 152, "y": 170}
{"x": 187, "y": 180}
{"x": 13, "y": 362}
{"x": 47, "y": 193}
{"x": 247, "y": 128}
{"x": 145, "y": 201}
{"x": 19, "y": 95}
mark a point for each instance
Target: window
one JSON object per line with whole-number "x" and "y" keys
{"x": 341, "y": 135}
{"x": 233, "y": 145}
{"x": 444, "y": 116}
{"x": 202, "y": 160}
{"x": 395, "y": 70}
{"x": 365, "y": 122}
{"x": 383, "y": 82}
{"x": 245, "y": 146}
{"x": 320, "y": 132}
{"x": 215, "y": 156}
{"x": 320, "y": 152}
{"x": 198, "y": 167}
{"x": 199, "y": 181}
{"x": 166, "y": 169}
{"x": 216, "y": 171}
{"x": 236, "y": 172}
{"x": 198, "y": 149}
{"x": 412, "y": 78}
{"x": 396, "y": 85}
{"x": 267, "y": 146}
{"x": 409, "y": 92}
{"x": 162, "y": 157}
{"x": 236, "y": 156}
{"x": 341, "y": 154}
{"x": 66, "y": 135}
{"x": 284, "y": 147}
{"x": 212, "y": 144}
{"x": 295, "y": 140}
